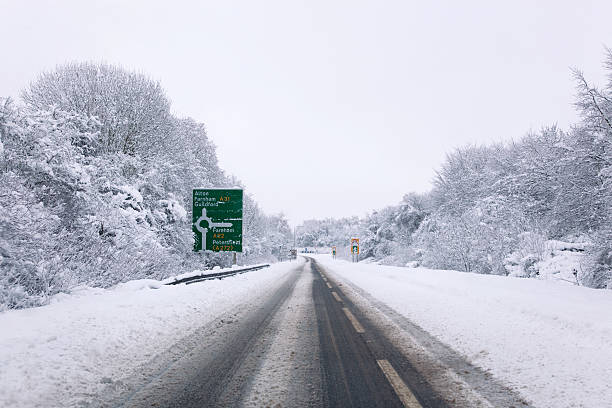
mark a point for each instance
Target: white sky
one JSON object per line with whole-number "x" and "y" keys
{"x": 330, "y": 108}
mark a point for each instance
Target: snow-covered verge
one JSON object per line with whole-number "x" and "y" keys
{"x": 550, "y": 341}
{"x": 552, "y": 259}
{"x": 565, "y": 261}
{"x": 65, "y": 353}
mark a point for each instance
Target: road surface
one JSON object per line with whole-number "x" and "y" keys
{"x": 312, "y": 342}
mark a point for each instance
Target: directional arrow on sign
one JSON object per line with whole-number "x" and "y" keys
{"x": 210, "y": 224}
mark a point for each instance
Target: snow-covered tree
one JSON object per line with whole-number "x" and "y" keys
{"x": 96, "y": 178}
{"x": 133, "y": 109}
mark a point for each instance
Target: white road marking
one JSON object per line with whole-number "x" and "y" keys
{"x": 400, "y": 387}
{"x": 336, "y": 296}
{"x": 358, "y": 327}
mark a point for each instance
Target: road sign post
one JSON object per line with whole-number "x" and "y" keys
{"x": 217, "y": 220}
{"x": 355, "y": 249}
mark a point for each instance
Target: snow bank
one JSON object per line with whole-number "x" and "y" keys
{"x": 550, "y": 341}
{"x": 65, "y": 353}
{"x": 556, "y": 260}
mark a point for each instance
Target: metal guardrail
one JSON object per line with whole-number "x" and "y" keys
{"x": 218, "y": 275}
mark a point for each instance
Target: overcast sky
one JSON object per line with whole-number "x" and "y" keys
{"x": 330, "y": 108}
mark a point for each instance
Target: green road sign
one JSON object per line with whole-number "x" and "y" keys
{"x": 217, "y": 220}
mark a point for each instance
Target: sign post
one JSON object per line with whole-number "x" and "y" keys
{"x": 217, "y": 220}
{"x": 355, "y": 249}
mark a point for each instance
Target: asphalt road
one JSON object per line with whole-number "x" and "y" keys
{"x": 211, "y": 373}
{"x": 307, "y": 344}
{"x": 352, "y": 353}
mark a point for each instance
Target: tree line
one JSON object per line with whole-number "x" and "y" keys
{"x": 96, "y": 176}
{"x": 492, "y": 209}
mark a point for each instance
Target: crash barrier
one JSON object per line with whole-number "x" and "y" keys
{"x": 217, "y": 275}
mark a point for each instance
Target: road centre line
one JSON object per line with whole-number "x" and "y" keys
{"x": 336, "y": 296}
{"x": 399, "y": 386}
{"x": 358, "y": 327}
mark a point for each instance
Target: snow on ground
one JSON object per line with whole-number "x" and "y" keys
{"x": 556, "y": 260}
{"x": 550, "y": 341}
{"x": 63, "y": 353}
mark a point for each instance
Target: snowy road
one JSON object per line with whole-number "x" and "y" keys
{"x": 297, "y": 347}
{"x": 305, "y": 343}
{"x": 368, "y": 360}
{"x": 260, "y": 355}
{"x": 311, "y": 333}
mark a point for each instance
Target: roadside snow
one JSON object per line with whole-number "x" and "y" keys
{"x": 67, "y": 352}
{"x": 550, "y": 341}
{"x": 554, "y": 260}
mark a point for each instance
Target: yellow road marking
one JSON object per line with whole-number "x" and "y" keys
{"x": 358, "y": 327}
{"x": 336, "y": 296}
{"x": 400, "y": 387}
{"x": 328, "y": 285}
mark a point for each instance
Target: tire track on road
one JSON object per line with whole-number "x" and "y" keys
{"x": 202, "y": 376}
